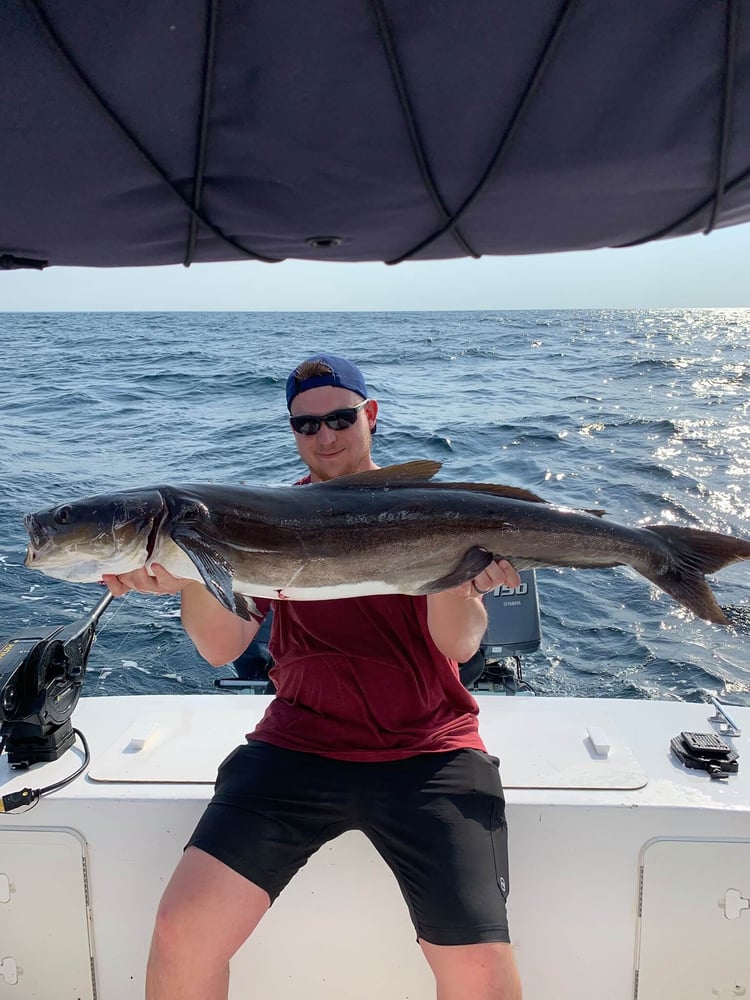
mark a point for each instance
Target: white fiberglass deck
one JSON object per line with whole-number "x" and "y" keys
{"x": 621, "y": 861}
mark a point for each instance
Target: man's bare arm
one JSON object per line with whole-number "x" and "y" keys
{"x": 457, "y": 619}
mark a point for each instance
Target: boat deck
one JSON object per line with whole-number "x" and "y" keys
{"x": 622, "y": 861}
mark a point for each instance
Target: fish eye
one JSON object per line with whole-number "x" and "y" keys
{"x": 62, "y": 514}
{"x": 191, "y": 511}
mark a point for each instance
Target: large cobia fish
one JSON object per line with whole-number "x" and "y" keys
{"x": 381, "y": 532}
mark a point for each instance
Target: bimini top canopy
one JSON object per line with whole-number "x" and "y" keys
{"x": 167, "y": 131}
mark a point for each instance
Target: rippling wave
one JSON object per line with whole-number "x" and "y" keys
{"x": 642, "y": 413}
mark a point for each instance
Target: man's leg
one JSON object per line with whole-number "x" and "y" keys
{"x": 207, "y": 911}
{"x": 271, "y": 810}
{"x": 480, "y": 971}
{"x": 439, "y": 823}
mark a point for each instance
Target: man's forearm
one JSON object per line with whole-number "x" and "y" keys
{"x": 218, "y": 635}
{"x": 456, "y": 623}
{"x": 457, "y": 619}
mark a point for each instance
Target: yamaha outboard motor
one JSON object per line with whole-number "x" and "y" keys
{"x": 513, "y": 629}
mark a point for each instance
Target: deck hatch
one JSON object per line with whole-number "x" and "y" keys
{"x": 694, "y": 931}
{"x": 45, "y": 946}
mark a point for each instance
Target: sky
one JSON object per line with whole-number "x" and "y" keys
{"x": 692, "y": 271}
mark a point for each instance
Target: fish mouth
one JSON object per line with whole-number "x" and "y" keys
{"x": 38, "y": 538}
{"x": 158, "y": 519}
{"x": 153, "y": 535}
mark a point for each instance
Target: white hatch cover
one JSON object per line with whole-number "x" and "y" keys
{"x": 550, "y": 750}
{"x": 45, "y": 948}
{"x": 694, "y": 934}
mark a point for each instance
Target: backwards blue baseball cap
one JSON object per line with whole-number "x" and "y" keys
{"x": 332, "y": 370}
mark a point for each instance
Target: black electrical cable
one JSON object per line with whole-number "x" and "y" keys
{"x": 30, "y": 796}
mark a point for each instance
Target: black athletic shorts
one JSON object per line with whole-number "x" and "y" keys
{"x": 438, "y": 821}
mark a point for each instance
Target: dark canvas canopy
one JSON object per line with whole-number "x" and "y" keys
{"x": 166, "y": 131}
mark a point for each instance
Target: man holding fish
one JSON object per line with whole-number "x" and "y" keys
{"x": 370, "y": 729}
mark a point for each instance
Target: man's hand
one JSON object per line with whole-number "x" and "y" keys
{"x": 157, "y": 581}
{"x": 497, "y": 574}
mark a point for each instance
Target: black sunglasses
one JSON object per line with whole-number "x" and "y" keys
{"x": 337, "y": 420}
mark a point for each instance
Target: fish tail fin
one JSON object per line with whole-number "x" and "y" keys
{"x": 694, "y": 553}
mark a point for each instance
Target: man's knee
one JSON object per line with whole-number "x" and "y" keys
{"x": 206, "y": 906}
{"x": 170, "y": 925}
{"x": 485, "y": 971}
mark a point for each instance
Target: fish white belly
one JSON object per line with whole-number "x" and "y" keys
{"x": 178, "y": 563}
{"x": 328, "y": 593}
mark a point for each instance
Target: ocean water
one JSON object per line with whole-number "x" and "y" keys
{"x": 643, "y": 413}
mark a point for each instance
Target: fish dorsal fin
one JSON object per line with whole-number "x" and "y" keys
{"x": 406, "y": 472}
{"x": 421, "y": 471}
{"x": 511, "y": 492}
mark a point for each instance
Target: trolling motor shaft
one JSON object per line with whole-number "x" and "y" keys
{"x": 40, "y": 683}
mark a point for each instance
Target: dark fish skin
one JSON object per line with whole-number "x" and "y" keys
{"x": 385, "y": 531}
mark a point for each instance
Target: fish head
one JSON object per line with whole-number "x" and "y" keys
{"x": 108, "y": 533}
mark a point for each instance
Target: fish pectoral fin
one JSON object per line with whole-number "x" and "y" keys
{"x": 246, "y": 608}
{"x": 215, "y": 570}
{"x": 473, "y": 562}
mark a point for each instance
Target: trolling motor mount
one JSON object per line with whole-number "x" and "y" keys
{"x": 41, "y": 674}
